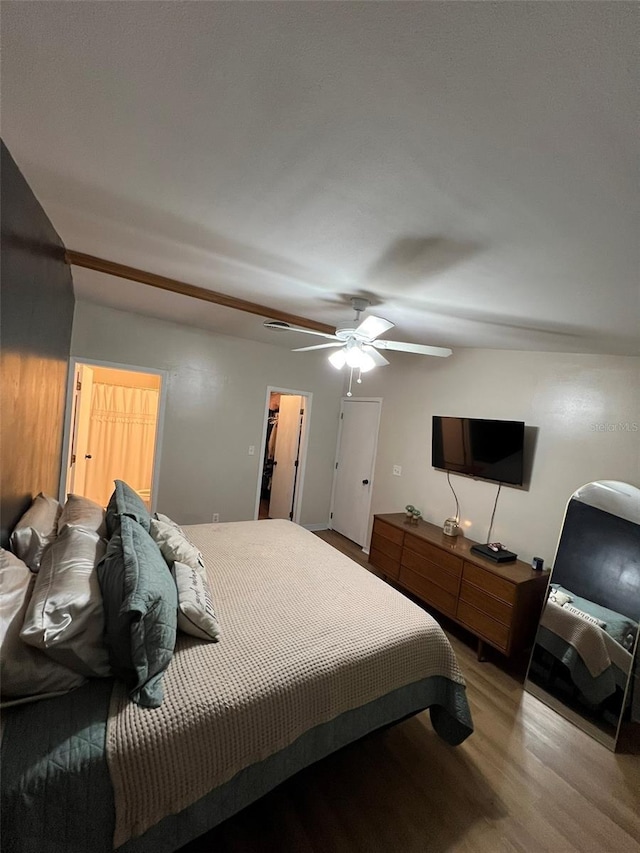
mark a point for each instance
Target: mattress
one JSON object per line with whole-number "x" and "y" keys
{"x": 315, "y": 652}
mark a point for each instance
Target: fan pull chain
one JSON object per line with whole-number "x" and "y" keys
{"x": 349, "y": 394}
{"x": 359, "y": 379}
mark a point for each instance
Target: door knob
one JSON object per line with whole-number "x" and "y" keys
{"x": 365, "y": 482}
{"x": 87, "y": 456}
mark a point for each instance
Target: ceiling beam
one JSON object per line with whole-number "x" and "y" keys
{"x": 90, "y": 262}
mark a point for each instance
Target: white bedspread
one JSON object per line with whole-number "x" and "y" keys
{"x": 597, "y": 649}
{"x": 307, "y": 634}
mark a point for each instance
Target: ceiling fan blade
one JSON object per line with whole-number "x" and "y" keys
{"x": 379, "y": 359}
{"x": 287, "y": 327}
{"x": 318, "y": 346}
{"x": 372, "y": 326}
{"x": 420, "y": 349}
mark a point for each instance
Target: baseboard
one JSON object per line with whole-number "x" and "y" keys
{"x": 313, "y": 527}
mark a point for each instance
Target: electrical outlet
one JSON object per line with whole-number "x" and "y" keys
{"x": 397, "y": 470}
{"x": 216, "y": 517}
{"x": 252, "y": 450}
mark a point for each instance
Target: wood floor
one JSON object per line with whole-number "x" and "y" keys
{"x": 526, "y": 780}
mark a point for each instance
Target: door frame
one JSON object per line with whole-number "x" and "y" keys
{"x": 304, "y": 445}
{"x": 343, "y": 400}
{"x": 74, "y": 360}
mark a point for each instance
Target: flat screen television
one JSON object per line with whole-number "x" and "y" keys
{"x": 488, "y": 450}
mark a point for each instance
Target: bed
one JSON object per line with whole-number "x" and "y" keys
{"x": 315, "y": 652}
{"x": 597, "y": 652}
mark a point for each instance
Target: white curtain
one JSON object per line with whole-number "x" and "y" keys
{"x": 122, "y": 435}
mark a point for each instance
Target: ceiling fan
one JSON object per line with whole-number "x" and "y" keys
{"x": 358, "y": 341}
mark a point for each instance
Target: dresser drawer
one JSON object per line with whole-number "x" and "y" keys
{"x": 449, "y": 562}
{"x": 484, "y": 626}
{"x": 384, "y": 563}
{"x": 436, "y": 574}
{"x": 486, "y": 603}
{"x": 490, "y": 583}
{"x": 391, "y": 549}
{"x": 393, "y": 534}
{"x": 428, "y": 591}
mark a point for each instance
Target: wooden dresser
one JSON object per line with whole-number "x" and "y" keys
{"x": 499, "y": 603}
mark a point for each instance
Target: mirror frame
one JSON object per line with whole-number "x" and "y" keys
{"x": 621, "y": 500}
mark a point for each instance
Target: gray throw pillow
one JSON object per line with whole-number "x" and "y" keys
{"x": 140, "y": 604}
{"x": 35, "y": 530}
{"x": 126, "y": 501}
{"x": 65, "y": 617}
{"x": 26, "y": 673}
{"x": 82, "y": 512}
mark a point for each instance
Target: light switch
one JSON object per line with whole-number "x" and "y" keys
{"x": 397, "y": 470}
{"x": 252, "y": 450}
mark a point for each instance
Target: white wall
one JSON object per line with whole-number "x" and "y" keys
{"x": 562, "y": 395}
{"x": 215, "y": 408}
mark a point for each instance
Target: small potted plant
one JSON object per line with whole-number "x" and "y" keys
{"x": 409, "y": 510}
{"x": 416, "y": 515}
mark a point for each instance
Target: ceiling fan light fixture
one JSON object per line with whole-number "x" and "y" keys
{"x": 357, "y": 358}
{"x": 338, "y": 359}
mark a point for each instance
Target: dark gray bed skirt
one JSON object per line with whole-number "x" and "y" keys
{"x": 72, "y": 812}
{"x": 595, "y": 689}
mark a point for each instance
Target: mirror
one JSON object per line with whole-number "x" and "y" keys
{"x": 584, "y": 662}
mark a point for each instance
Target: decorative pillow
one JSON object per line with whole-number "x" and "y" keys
{"x": 175, "y": 546}
{"x": 140, "y": 605}
{"x": 79, "y": 511}
{"x": 126, "y": 501}
{"x": 65, "y": 618}
{"x": 26, "y": 674}
{"x": 35, "y": 530}
{"x": 196, "y": 615}
{"x": 165, "y": 518}
{"x": 622, "y": 628}
{"x": 586, "y": 616}
{"x": 559, "y": 598}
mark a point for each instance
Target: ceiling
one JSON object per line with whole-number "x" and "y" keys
{"x": 472, "y": 167}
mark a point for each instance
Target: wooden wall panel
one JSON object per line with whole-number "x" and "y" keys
{"x": 37, "y": 305}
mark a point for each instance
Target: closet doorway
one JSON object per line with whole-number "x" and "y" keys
{"x": 112, "y": 430}
{"x": 284, "y": 450}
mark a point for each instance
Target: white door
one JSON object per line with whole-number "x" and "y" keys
{"x": 285, "y": 459}
{"x": 354, "y": 472}
{"x": 76, "y": 475}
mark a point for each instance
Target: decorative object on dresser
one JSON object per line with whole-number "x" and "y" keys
{"x": 451, "y": 527}
{"x": 499, "y": 604}
{"x": 412, "y": 515}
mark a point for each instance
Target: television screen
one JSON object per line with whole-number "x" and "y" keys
{"x": 489, "y": 450}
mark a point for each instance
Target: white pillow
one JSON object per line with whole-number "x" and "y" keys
{"x": 160, "y": 517}
{"x": 65, "y": 617}
{"x": 196, "y": 615}
{"x": 79, "y": 511}
{"x": 26, "y": 674}
{"x": 586, "y": 616}
{"x": 559, "y": 598}
{"x": 175, "y": 545}
{"x": 35, "y": 530}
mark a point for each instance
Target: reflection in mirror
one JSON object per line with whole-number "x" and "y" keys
{"x": 584, "y": 662}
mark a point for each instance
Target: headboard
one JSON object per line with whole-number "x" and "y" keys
{"x": 37, "y": 315}
{"x": 598, "y": 558}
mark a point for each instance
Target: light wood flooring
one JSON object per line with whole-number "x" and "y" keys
{"x": 526, "y": 780}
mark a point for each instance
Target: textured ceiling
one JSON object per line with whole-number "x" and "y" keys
{"x": 471, "y": 166}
